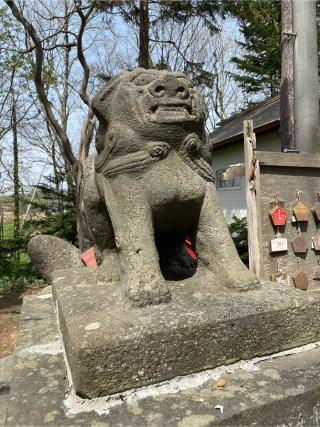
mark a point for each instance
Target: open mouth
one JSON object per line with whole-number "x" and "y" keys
{"x": 171, "y": 108}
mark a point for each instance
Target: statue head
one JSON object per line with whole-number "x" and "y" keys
{"x": 154, "y": 103}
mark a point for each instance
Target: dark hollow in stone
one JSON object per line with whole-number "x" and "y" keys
{"x": 175, "y": 261}
{"x": 4, "y": 388}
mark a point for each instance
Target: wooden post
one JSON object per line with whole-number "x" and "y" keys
{"x": 286, "y": 88}
{"x": 252, "y": 176}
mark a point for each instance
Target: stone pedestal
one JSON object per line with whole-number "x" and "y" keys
{"x": 112, "y": 347}
{"x": 280, "y": 390}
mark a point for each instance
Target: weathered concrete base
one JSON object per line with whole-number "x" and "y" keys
{"x": 112, "y": 347}
{"x": 5, "y": 379}
{"x": 282, "y": 390}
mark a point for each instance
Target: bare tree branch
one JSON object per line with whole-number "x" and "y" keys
{"x": 86, "y": 70}
{"x": 39, "y": 83}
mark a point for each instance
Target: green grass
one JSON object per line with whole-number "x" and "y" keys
{"x": 6, "y": 199}
{"x": 8, "y": 234}
{"x": 16, "y": 271}
{"x": 24, "y": 258}
{"x": 8, "y": 230}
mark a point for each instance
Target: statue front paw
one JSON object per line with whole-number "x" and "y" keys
{"x": 147, "y": 290}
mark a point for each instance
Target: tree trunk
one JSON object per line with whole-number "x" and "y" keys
{"x": 73, "y": 165}
{"x": 53, "y": 157}
{"x": 144, "y": 58}
{"x": 86, "y": 136}
{"x": 70, "y": 178}
{"x": 82, "y": 228}
{"x": 16, "y": 184}
{"x": 286, "y": 88}
{"x": 55, "y": 167}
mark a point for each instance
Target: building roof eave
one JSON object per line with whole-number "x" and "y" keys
{"x": 266, "y": 127}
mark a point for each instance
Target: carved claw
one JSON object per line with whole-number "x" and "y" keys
{"x": 159, "y": 149}
{"x": 191, "y": 144}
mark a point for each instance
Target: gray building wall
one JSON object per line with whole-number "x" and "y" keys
{"x": 233, "y": 199}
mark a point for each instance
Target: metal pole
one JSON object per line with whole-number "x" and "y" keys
{"x": 306, "y": 82}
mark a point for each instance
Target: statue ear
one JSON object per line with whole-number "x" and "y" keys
{"x": 100, "y": 105}
{"x": 101, "y": 101}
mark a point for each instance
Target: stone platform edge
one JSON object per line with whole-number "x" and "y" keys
{"x": 112, "y": 347}
{"x": 282, "y": 389}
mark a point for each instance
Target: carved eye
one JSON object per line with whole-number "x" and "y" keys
{"x": 143, "y": 79}
{"x": 186, "y": 82}
{"x": 159, "y": 89}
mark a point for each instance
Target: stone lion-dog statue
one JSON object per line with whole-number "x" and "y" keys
{"x": 151, "y": 177}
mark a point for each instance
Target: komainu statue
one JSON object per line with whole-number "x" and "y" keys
{"x": 151, "y": 186}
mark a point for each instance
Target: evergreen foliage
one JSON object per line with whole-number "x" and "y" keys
{"x": 16, "y": 270}
{"x": 260, "y": 25}
{"x": 239, "y": 232}
{"x": 163, "y": 10}
{"x": 54, "y": 212}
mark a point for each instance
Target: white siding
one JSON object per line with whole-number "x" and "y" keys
{"x": 233, "y": 201}
{"x": 269, "y": 141}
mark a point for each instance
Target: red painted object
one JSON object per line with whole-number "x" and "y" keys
{"x": 278, "y": 216}
{"x": 190, "y": 249}
{"x": 89, "y": 258}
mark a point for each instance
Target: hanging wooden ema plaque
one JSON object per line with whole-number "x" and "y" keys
{"x": 316, "y": 242}
{"x": 278, "y": 218}
{"x": 279, "y": 276}
{"x": 278, "y": 215}
{"x": 279, "y": 244}
{"x": 301, "y": 211}
{"x": 300, "y": 278}
{"x": 316, "y": 270}
{"x": 316, "y": 213}
{"x": 299, "y": 244}
{"x": 316, "y": 209}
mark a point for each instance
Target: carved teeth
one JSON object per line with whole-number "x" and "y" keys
{"x": 163, "y": 112}
{"x": 175, "y": 108}
{"x": 171, "y": 108}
